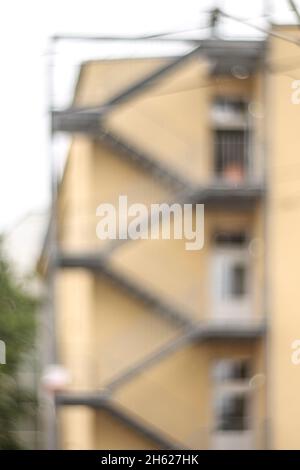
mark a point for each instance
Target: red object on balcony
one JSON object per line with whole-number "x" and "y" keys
{"x": 234, "y": 172}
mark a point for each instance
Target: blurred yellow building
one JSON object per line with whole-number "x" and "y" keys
{"x": 169, "y": 348}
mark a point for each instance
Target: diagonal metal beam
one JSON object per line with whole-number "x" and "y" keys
{"x": 142, "y": 158}
{"x": 134, "y": 89}
{"x": 100, "y": 261}
{"x": 100, "y": 264}
{"x": 69, "y": 119}
{"x": 153, "y": 358}
{"x": 188, "y": 194}
{"x": 239, "y": 197}
{"x": 295, "y": 10}
{"x": 91, "y": 125}
{"x": 119, "y": 412}
{"x": 198, "y": 331}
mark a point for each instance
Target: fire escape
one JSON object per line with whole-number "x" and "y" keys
{"x": 92, "y": 122}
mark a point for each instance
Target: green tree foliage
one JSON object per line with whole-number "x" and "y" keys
{"x": 17, "y": 330}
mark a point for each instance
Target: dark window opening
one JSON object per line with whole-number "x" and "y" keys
{"x": 238, "y": 280}
{"x": 231, "y": 154}
{"x": 231, "y": 370}
{"x": 230, "y": 105}
{"x": 230, "y": 239}
{"x": 232, "y": 413}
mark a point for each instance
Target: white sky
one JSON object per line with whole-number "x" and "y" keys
{"x": 24, "y": 29}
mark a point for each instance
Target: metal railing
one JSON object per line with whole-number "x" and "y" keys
{"x": 232, "y": 155}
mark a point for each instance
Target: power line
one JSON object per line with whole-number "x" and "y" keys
{"x": 228, "y": 16}
{"x": 295, "y": 10}
{"x": 268, "y": 32}
{"x": 170, "y": 33}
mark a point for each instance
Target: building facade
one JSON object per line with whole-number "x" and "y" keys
{"x": 170, "y": 348}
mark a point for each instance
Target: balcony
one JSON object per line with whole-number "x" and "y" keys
{"x": 235, "y": 166}
{"x": 231, "y": 156}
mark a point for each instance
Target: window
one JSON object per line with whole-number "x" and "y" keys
{"x": 231, "y": 138}
{"x": 237, "y": 239}
{"x": 237, "y": 280}
{"x": 232, "y": 412}
{"x": 233, "y": 268}
{"x": 232, "y": 398}
{"x": 231, "y": 276}
{"x": 233, "y": 369}
{"x": 230, "y": 154}
{"x": 227, "y": 108}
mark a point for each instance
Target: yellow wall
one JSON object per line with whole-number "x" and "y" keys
{"x": 94, "y": 175}
{"x": 101, "y": 80}
{"x": 101, "y": 328}
{"x": 86, "y": 429}
{"x": 111, "y": 434}
{"x": 172, "y": 119}
{"x": 283, "y": 247}
{"x": 185, "y": 276}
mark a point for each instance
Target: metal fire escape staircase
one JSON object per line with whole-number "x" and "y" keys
{"x": 91, "y": 121}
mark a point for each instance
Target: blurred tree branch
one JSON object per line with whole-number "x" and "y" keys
{"x": 17, "y": 330}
